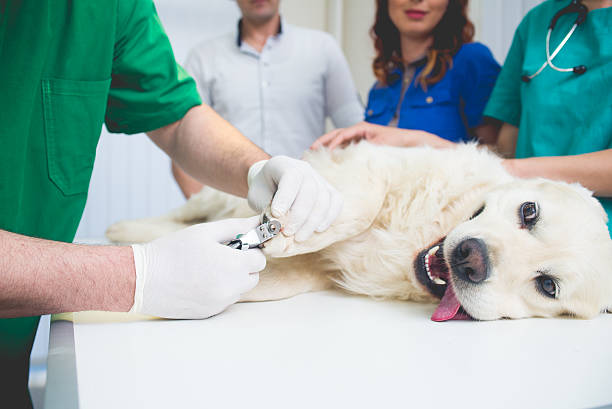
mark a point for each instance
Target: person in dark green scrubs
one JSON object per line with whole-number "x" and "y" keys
{"x": 67, "y": 67}
{"x": 559, "y": 124}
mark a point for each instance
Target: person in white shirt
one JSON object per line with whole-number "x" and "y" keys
{"x": 275, "y": 82}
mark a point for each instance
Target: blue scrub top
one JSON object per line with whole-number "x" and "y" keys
{"x": 449, "y": 108}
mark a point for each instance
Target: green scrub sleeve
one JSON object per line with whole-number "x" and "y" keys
{"x": 505, "y": 101}
{"x": 148, "y": 88}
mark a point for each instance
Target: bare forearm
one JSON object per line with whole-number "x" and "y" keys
{"x": 488, "y": 132}
{"x": 403, "y": 137}
{"x": 592, "y": 170}
{"x": 506, "y": 141}
{"x": 210, "y": 149}
{"x": 44, "y": 277}
{"x": 417, "y": 138}
{"x": 186, "y": 183}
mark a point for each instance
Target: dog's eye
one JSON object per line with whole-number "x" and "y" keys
{"x": 477, "y": 212}
{"x": 529, "y": 213}
{"x": 547, "y": 286}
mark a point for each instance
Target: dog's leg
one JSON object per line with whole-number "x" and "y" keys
{"x": 207, "y": 205}
{"x": 142, "y": 230}
{"x": 284, "y": 278}
{"x": 363, "y": 187}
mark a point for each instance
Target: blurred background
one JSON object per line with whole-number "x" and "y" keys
{"x": 131, "y": 177}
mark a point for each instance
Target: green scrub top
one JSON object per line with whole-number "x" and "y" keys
{"x": 67, "y": 67}
{"x": 558, "y": 113}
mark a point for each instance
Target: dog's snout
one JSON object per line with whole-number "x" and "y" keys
{"x": 470, "y": 261}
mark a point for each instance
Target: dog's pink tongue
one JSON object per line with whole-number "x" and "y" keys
{"x": 448, "y": 308}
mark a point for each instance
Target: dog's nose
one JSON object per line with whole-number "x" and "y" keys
{"x": 470, "y": 261}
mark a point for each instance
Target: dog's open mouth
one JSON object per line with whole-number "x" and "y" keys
{"x": 432, "y": 272}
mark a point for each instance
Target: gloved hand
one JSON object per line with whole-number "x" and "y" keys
{"x": 189, "y": 274}
{"x": 294, "y": 186}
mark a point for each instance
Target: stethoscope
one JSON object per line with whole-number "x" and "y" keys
{"x": 575, "y": 6}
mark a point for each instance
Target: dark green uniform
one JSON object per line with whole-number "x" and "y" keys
{"x": 65, "y": 68}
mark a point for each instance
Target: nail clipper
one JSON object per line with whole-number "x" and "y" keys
{"x": 258, "y": 236}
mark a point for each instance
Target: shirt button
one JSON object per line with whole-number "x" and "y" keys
{"x": 265, "y": 84}
{"x": 370, "y": 112}
{"x": 429, "y": 100}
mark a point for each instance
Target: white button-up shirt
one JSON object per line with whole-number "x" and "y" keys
{"x": 278, "y": 98}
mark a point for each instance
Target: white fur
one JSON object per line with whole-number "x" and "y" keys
{"x": 398, "y": 201}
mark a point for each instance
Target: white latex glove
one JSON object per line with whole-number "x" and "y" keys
{"x": 189, "y": 274}
{"x": 295, "y": 189}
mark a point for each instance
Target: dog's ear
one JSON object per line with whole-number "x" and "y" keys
{"x": 608, "y": 309}
{"x": 587, "y": 195}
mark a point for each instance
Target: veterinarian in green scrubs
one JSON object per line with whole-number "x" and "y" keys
{"x": 66, "y": 67}
{"x": 55, "y": 86}
{"x": 561, "y": 121}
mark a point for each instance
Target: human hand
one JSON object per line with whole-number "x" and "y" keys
{"x": 345, "y": 136}
{"x": 296, "y": 190}
{"x": 515, "y": 167}
{"x": 378, "y": 134}
{"x": 190, "y": 274}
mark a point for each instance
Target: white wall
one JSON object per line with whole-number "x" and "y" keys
{"x": 358, "y": 17}
{"x": 496, "y": 20}
{"x": 131, "y": 176}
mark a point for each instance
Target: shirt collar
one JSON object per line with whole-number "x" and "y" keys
{"x": 398, "y": 72}
{"x": 239, "y": 33}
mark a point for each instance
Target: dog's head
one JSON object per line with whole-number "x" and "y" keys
{"x": 534, "y": 248}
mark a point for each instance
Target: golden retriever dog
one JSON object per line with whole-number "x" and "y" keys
{"x": 432, "y": 225}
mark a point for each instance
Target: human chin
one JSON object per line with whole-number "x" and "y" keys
{"x": 260, "y": 10}
{"x": 414, "y": 27}
{"x": 417, "y": 30}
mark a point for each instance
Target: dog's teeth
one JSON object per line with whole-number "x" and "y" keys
{"x": 426, "y": 258}
{"x": 438, "y": 280}
{"x": 427, "y": 267}
{"x": 430, "y": 253}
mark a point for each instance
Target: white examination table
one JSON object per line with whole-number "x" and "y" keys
{"x": 329, "y": 350}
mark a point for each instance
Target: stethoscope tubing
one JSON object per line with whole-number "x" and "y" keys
{"x": 580, "y": 69}
{"x": 549, "y": 57}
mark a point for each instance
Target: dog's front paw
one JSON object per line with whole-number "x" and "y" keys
{"x": 121, "y": 232}
{"x": 279, "y": 246}
{"x": 283, "y": 245}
